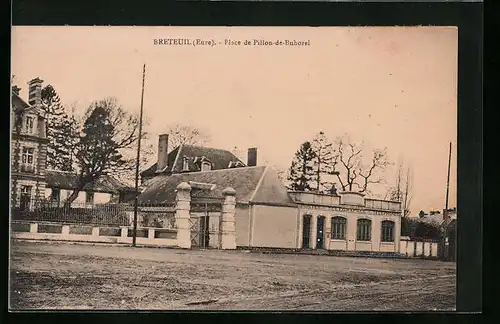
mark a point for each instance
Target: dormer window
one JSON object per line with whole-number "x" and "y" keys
{"x": 235, "y": 164}
{"x": 206, "y": 166}
{"x": 29, "y": 124}
{"x": 185, "y": 164}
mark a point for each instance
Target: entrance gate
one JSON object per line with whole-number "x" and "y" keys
{"x": 204, "y": 222}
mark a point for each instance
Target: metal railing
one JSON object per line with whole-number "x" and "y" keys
{"x": 97, "y": 214}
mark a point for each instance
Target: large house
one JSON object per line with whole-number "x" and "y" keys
{"x": 28, "y": 146}
{"x": 268, "y": 215}
{"x": 191, "y": 158}
{"x": 31, "y": 183}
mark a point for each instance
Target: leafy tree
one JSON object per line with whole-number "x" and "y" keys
{"x": 106, "y": 143}
{"x": 60, "y": 130}
{"x": 421, "y": 214}
{"x": 354, "y": 173}
{"x": 417, "y": 229}
{"x": 324, "y": 162}
{"x": 301, "y": 173}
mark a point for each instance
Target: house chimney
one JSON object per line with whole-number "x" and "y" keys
{"x": 35, "y": 92}
{"x": 16, "y": 90}
{"x": 252, "y": 157}
{"x": 162, "y": 152}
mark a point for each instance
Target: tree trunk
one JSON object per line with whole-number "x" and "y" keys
{"x": 80, "y": 184}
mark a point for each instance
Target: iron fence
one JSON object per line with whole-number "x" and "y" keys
{"x": 97, "y": 214}
{"x": 106, "y": 214}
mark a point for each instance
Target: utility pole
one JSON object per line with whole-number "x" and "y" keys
{"x": 447, "y": 185}
{"x": 136, "y": 201}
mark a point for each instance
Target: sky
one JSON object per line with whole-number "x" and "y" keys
{"x": 393, "y": 87}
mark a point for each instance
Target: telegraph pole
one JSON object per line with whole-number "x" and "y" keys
{"x": 136, "y": 201}
{"x": 448, "y": 184}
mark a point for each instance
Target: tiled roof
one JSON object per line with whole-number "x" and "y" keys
{"x": 252, "y": 184}
{"x": 67, "y": 180}
{"x": 219, "y": 159}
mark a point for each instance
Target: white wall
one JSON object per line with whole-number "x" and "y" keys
{"x": 274, "y": 226}
{"x": 242, "y": 225}
{"x": 422, "y": 249}
{"x": 99, "y": 197}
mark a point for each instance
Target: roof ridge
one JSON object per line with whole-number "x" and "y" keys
{"x": 219, "y": 170}
{"x": 210, "y": 148}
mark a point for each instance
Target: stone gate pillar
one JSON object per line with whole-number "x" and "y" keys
{"x": 227, "y": 226}
{"x": 182, "y": 216}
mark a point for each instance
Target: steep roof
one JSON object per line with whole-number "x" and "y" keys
{"x": 67, "y": 180}
{"x": 252, "y": 184}
{"x": 219, "y": 158}
{"x": 19, "y": 104}
{"x": 151, "y": 171}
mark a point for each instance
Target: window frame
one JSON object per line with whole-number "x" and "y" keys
{"x": 29, "y": 124}
{"x": 389, "y": 230}
{"x": 339, "y": 228}
{"x": 364, "y": 230}
{"x": 52, "y": 195}
{"x": 185, "y": 164}
{"x": 26, "y": 189}
{"x": 26, "y": 154}
{"x": 205, "y": 163}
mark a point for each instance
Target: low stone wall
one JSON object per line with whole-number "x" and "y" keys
{"x": 419, "y": 249}
{"x": 85, "y": 233}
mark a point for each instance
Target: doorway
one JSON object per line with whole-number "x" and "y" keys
{"x": 204, "y": 231}
{"x": 306, "y": 230}
{"x": 320, "y": 229}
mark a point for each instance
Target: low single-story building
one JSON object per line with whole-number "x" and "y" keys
{"x": 60, "y": 184}
{"x": 268, "y": 215}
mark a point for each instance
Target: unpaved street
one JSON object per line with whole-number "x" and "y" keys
{"x": 70, "y": 276}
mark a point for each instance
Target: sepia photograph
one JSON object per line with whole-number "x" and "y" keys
{"x": 233, "y": 168}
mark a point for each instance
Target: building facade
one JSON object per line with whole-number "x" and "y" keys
{"x": 269, "y": 216}
{"x": 28, "y": 147}
{"x": 348, "y": 222}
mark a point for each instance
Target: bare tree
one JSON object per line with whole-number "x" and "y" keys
{"x": 402, "y": 189}
{"x": 407, "y": 193}
{"x": 354, "y": 173}
{"x": 107, "y": 140}
{"x": 183, "y": 134}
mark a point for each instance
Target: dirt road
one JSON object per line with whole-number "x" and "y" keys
{"x": 68, "y": 276}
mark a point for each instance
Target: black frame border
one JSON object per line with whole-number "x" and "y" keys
{"x": 467, "y": 16}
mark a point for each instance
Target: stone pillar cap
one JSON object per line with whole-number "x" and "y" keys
{"x": 184, "y": 186}
{"x": 229, "y": 192}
